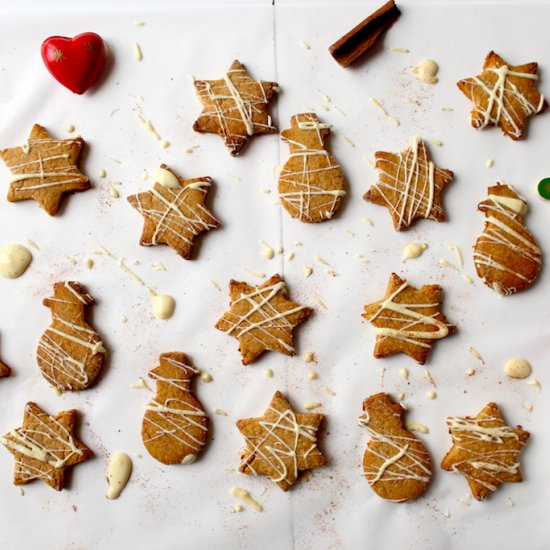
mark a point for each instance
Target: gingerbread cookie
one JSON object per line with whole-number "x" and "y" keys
{"x": 235, "y": 107}
{"x": 70, "y": 352}
{"x": 396, "y": 463}
{"x": 504, "y": 95}
{"x": 44, "y": 169}
{"x": 44, "y": 446}
{"x": 485, "y": 450}
{"x": 281, "y": 443}
{"x": 4, "y": 370}
{"x": 409, "y": 185}
{"x": 175, "y": 426}
{"x": 174, "y": 211}
{"x": 262, "y": 318}
{"x": 408, "y": 320}
{"x": 311, "y": 183}
{"x": 506, "y": 255}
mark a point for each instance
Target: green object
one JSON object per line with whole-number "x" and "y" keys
{"x": 543, "y": 188}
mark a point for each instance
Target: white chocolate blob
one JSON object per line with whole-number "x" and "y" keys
{"x": 164, "y": 306}
{"x": 120, "y": 468}
{"x": 517, "y": 368}
{"x": 14, "y": 260}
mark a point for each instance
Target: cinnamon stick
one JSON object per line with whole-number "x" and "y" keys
{"x": 365, "y": 35}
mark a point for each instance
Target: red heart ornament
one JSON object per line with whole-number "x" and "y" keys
{"x": 75, "y": 62}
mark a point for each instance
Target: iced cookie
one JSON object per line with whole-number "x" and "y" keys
{"x": 396, "y": 463}
{"x": 175, "y": 426}
{"x": 311, "y": 183}
{"x": 504, "y": 95}
{"x": 408, "y": 320}
{"x": 485, "y": 450}
{"x": 174, "y": 211}
{"x": 506, "y": 255}
{"x": 44, "y": 169}
{"x": 262, "y": 318}
{"x": 281, "y": 443}
{"x": 4, "y": 370}
{"x": 409, "y": 185}
{"x": 70, "y": 352}
{"x": 44, "y": 446}
{"x": 235, "y": 107}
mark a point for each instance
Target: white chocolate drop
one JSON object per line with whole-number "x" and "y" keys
{"x": 14, "y": 260}
{"x": 166, "y": 178}
{"x": 413, "y": 251}
{"x": 426, "y": 70}
{"x": 120, "y": 468}
{"x": 404, "y": 372}
{"x": 164, "y": 306}
{"x": 417, "y": 427}
{"x": 516, "y": 367}
{"x": 246, "y": 497}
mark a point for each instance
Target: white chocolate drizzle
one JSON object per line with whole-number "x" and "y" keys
{"x": 120, "y": 468}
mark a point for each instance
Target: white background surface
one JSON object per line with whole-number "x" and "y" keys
{"x": 190, "y": 506}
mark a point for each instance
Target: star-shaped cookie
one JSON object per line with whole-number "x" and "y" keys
{"x": 262, "y": 318}
{"x": 4, "y": 370}
{"x": 44, "y": 446}
{"x": 407, "y": 320}
{"x": 174, "y": 211}
{"x": 235, "y": 107}
{"x": 504, "y": 95}
{"x": 281, "y": 443}
{"x": 409, "y": 185}
{"x": 44, "y": 169}
{"x": 485, "y": 450}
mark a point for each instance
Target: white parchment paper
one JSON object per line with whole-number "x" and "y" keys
{"x": 191, "y": 506}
